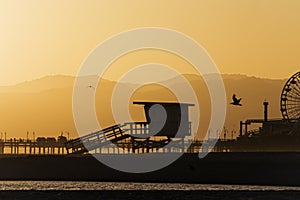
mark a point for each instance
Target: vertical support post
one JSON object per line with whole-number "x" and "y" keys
{"x": 11, "y": 147}
{"x": 30, "y": 146}
{"x": 241, "y": 128}
{"x": 182, "y": 140}
{"x": 266, "y": 111}
{"x": 132, "y": 141}
{"x": 34, "y": 147}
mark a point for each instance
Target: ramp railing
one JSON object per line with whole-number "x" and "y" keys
{"x": 95, "y": 140}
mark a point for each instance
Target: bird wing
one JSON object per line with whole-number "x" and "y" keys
{"x": 234, "y": 97}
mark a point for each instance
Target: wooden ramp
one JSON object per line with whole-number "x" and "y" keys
{"x": 126, "y": 136}
{"x": 95, "y": 140}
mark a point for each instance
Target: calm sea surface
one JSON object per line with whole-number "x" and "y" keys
{"x": 66, "y": 190}
{"x": 68, "y": 186}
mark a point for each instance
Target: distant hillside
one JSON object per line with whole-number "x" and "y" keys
{"x": 45, "y": 105}
{"x": 39, "y": 85}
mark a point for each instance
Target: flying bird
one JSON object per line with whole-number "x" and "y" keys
{"x": 90, "y": 86}
{"x": 236, "y": 101}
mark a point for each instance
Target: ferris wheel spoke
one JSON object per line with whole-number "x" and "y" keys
{"x": 294, "y": 111}
{"x": 297, "y": 83}
{"x": 293, "y": 115}
{"x": 292, "y": 105}
{"x": 293, "y": 97}
{"x": 292, "y": 101}
{"x": 297, "y": 77}
{"x": 296, "y": 88}
{"x": 293, "y": 82}
{"x": 289, "y": 107}
{"x": 294, "y": 91}
{"x": 294, "y": 108}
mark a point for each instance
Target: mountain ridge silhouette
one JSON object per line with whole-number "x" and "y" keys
{"x": 44, "y": 105}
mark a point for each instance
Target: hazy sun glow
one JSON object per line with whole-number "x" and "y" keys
{"x": 252, "y": 37}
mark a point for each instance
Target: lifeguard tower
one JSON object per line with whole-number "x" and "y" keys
{"x": 165, "y": 122}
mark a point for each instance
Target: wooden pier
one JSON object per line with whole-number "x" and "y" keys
{"x": 41, "y": 145}
{"x": 51, "y": 146}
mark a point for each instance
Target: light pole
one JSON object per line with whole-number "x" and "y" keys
{"x": 33, "y": 133}
{"x": 68, "y": 134}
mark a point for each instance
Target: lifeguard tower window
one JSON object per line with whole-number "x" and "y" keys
{"x": 176, "y": 124}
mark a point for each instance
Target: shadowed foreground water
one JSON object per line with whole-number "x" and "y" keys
{"x": 109, "y": 190}
{"x": 90, "y": 186}
{"x": 156, "y": 194}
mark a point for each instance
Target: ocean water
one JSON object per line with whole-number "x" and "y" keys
{"x": 87, "y": 186}
{"x": 66, "y": 190}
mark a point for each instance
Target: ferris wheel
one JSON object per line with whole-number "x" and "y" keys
{"x": 290, "y": 98}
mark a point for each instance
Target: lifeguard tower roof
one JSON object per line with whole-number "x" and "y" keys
{"x": 177, "y": 123}
{"x": 161, "y": 103}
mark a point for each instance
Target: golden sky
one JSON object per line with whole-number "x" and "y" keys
{"x": 254, "y": 37}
